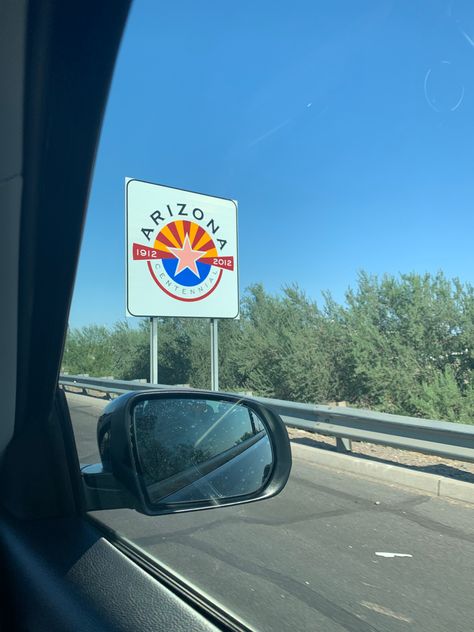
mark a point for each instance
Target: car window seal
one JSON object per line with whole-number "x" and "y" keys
{"x": 215, "y": 613}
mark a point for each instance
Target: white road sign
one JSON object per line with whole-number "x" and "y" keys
{"x": 181, "y": 252}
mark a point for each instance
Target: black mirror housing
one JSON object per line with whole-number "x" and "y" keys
{"x": 169, "y": 451}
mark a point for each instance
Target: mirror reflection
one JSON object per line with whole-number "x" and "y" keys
{"x": 199, "y": 449}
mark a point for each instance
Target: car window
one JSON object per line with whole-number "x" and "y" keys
{"x": 343, "y": 131}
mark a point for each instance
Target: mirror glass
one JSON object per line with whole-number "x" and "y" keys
{"x": 191, "y": 448}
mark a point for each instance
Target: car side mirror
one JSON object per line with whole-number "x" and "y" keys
{"x": 172, "y": 451}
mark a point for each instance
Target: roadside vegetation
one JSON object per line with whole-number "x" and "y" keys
{"x": 397, "y": 344}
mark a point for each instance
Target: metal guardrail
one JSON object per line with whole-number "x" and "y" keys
{"x": 106, "y": 386}
{"x": 447, "y": 439}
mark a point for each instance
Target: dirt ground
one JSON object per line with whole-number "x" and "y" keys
{"x": 441, "y": 466}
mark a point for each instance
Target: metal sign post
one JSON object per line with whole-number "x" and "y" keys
{"x": 154, "y": 350}
{"x": 214, "y": 355}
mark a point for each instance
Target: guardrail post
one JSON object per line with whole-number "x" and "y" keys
{"x": 343, "y": 444}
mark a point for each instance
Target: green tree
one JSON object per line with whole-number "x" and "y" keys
{"x": 279, "y": 352}
{"x": 402, "y": 332}
{"x": 129, "y": 348}
{"x": 442, "y": 398}
{"x": 87, "y": 351}
{"x": 400, "y": 344}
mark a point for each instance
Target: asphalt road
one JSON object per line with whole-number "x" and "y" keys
{"x": 307, "y": 559}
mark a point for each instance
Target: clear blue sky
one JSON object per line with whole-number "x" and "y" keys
{"x": 344, "y": 129}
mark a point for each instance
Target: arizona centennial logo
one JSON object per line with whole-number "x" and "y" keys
{"x": 185, "y": 252}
